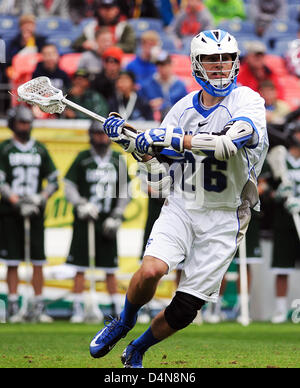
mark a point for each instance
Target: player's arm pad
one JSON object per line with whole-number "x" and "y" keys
{"x": 225, "y": 144}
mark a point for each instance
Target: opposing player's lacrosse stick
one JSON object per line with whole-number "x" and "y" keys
{"x": 244, "y": 302}
{"x": 24, "y": 311}
{"x": 93, "y": 314}
{"x": 49, "y": 99}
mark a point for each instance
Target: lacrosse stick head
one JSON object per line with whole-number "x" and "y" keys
{"x": 41, "y": 93}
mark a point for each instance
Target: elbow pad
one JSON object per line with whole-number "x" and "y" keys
{"x": 221, "y": 147}
{"x": 225, "y": 144}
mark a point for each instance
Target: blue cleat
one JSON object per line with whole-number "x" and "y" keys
{"x": 132, "y": 357}
{"x": 106, "y": 339}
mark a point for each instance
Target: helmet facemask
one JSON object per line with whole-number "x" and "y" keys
{"x": 205, "y": 75}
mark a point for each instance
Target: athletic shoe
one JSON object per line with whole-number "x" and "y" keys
{"x": 132, "y": 357}
{"x": 44, "y": 318}
{"x": 279, "y": 318}
{"x": 106, "y": 339}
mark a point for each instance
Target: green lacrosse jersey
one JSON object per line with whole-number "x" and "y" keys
{"x": 100, "y": 180}
{"x": 24, "y": 167}
{"x": 293, "y": 167}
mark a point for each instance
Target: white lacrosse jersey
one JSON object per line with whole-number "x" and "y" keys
{"x": 213, "y": 183}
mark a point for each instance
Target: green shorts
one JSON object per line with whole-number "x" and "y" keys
{"x": 12, "y": 239}
{"x": 286, "y": 249}
{"x": 106, "y": 249}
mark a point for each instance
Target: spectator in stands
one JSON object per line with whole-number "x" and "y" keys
{"x": 139, "y": 9}
{"x": 126, "y": 101}
{"x": 12, "y": 7}
{"x": 81, "y": 9}
{"x": 194, "y": 18}
{"x": 105, "y": 82}
{"x": 164, "y": 89}
{"x": 143, "y": 65}
{"x": 26, "y": 40}
{"x": 83, "y": 95}
{"x": 49, "y": 67}
{"x": 108, "y": 14}
{"x": 253, "y": 69}
{"x": 91, "y": 60}
{"x": 168, "y": 9}
{"x": 263, "y": 12}
{"x": 46, "y": 8}
{"x": 226, "y": 9}
{"x": 276, "y": 109}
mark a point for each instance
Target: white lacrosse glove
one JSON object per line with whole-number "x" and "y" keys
{"x": 38, "y": 200}
{"x": 284, "y": 190}
{"x": 28, "y": 210}
{"x": 158, "y": 178}
{"x": 292, "y": 204}
{"x": 110, "y": 226}
{"x": 162, "y": 137}
{"x": 87, "y": 211}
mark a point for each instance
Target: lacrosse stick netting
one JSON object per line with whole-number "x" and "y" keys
{"x": 40, "y": 92}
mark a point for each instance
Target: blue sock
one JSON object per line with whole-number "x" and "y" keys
{"x": 145, "y": 341}
{"x": 129, "y": 313}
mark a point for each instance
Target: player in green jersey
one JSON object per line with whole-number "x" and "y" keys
{"x": 24, "y": 164}
{"x": 97, "y": 186}
{"x": 286, "y": 250}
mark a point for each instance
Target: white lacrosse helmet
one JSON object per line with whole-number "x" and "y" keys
{"x": 209, "y": 43}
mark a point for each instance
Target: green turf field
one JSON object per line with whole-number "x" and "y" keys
{"x": 226, "y": 345}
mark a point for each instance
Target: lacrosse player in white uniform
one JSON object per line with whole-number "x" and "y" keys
{"x": 217, "y": 141}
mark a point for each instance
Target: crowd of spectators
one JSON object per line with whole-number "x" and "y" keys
{"x": 105, "y": 37}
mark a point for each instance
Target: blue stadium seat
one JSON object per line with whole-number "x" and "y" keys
{"x": 168, "y": 43}
{"x": 279, "y": 30}
{"x": 142, "y": 25}
{"x": 63, "y": 43}
{"x": 9, "y": 26}
{"x": 53, "y": 26}
{"x": 281, "y": 46}
{"x": 293, "y": 11}
{"x": 237, "y": 27}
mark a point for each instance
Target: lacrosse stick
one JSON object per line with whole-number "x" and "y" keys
{"x": 24, "y": 311}
{"x": 244, "y": 318}
{"x": 49, "y": 99}
{"x": 92, "y": 312}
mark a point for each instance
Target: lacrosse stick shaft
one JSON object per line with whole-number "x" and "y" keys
{"x": 27, "y": 255}
{"x": 131, "y": 133}
{"x": 244, "y": 284}
{"x": 296, "y": 218}
{"x": 92, "y": 254}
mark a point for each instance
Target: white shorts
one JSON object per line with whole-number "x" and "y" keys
{"x": 207, "y": 239}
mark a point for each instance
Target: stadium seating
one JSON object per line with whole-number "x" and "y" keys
{"x": 280, "y": 29}
{"x": 238, "y": 27}
{"x": 22, "y": 69}
{"x": 63, "y": 43}
{"x": 142, "y": 25}
{"x": 293, "y": 11}
{"x": 53, "y": 26}
{"x": 9, "y": 26}
{"x": 69, "y": 63}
